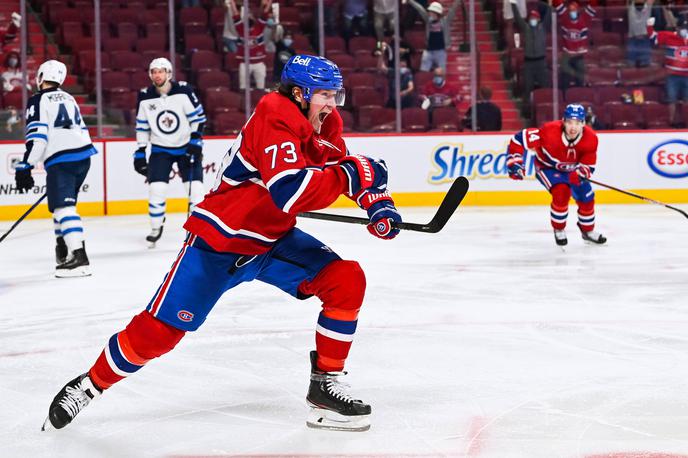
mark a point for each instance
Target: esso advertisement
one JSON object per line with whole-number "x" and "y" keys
{"x": 670, "y": 159}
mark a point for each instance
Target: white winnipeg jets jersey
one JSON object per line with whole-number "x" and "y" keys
{"x": 55, "y": 131}
{"x": 168, "y": 121}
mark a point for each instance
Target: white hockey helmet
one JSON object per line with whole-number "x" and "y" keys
{"x": 163, "y": 63}
{"x": 51, "y": 70}
{"x": 436, "y": 7}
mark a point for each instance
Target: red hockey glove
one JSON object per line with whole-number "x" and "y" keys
{"x": 581, "y": 171}
{"x": 363, "y": 173}
{"x": 514, "y": 164}
{"x": 382, "y": 213}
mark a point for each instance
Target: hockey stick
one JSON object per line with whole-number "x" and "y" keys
{"x": 191, "y": 174}
{"x": 449, "y": 204}
{"x": 638, "y": 197}
{"x": 21, "y": 218}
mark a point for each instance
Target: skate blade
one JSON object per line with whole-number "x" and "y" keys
{"x": 332, "y": 421}
{"x": 82, "y": 271}
{"x": 47, "y": 426}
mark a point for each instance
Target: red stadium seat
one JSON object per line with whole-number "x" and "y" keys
{"x": 151, "y": 43}
{"x": 578, "y": 94}
{"x": 213, "y": 78}
{"x": 193, "y": 14}
{"x": 612, "y": 94}
{"x": 347, "y": 120}
{"x": 381, "y": 120}
{"x": 545, "y": 95}
{"x": 361, "y": 79}
{"x": 116, "y": 44}
{"x": 205, "y": 59}
{"x": 335, "y": 44}
{"x": 116, "y": 79}
{"x": 222, "y": 101}
{"x": 445, "y": 119}
{"x": 139, "y": 80}
{"x": 414, "y": 120}
{"x": 623, "y": 115}
{"x": 602, "y": 76}
{"x": 193, "y": 42}
{"x": 229, "y": 123}
{"x": 362, "y": 43}
{"x": 127, "y": 61}
{"x": 655, "y": 115}
{"x": 127, "y": 31}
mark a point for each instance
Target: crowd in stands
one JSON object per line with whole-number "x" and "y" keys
{"x": 625, "y": 60}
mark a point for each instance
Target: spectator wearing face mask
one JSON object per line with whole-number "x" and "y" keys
{"x": 439, "y": 92}
{"x": 534, "y": 33}
{"x": 405, "y": 83}
{"x": 12, "y": 76}
{"x": 575, "y": 23}
{"x": 438, "y": 33}
{"x": 675, "y": 61}
{"x": 639, "y": 46}
{"x": 283, "y": 52}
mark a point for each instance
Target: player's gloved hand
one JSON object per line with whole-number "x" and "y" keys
{"x": 140, "y": 164}
{"x": 581, "y": 171}
{"x": 364, "y": 172}
{"x": 195, "y": 152}
{"x": 381, "y": 212}
{"x": 195, "y": 147}
{"x": 22, "y": 177}
{"x": 514, "y": 165}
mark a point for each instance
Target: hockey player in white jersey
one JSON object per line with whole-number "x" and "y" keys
{"x": 57, "y": 136}
{"x": 169, "y": 117}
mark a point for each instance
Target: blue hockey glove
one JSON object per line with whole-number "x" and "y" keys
{"x": 363, "y": 173}
{"x": 514, "y": 165}
{"x": 381, "y": 212}
{"x": 22, "y": 176}
{"x": 195, "y": 148}
{"x": 140, "y": 164}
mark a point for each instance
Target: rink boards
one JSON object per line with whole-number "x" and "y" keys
{"x": 421, "y": 167}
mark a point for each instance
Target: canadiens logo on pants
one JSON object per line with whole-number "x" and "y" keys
{"x": 185, "y": 316}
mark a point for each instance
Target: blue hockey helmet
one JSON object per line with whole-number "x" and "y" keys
{"x": 311, "y": 73}
{"x": 575, "y": 111}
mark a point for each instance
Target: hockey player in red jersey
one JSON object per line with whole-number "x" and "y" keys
{"x": 565, "y": 155}
{"x": 289, "y": 157}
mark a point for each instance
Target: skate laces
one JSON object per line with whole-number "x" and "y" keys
{"x": 338, "y": 389}
{"x": 75, "y": 400}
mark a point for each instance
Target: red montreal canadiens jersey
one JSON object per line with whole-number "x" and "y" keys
{"x": 676, "y": 51}
{"x": 277, "y": 167}
{"x": 551, "y": 148}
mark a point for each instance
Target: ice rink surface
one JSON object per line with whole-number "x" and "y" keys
{"x": 485, "y": 340}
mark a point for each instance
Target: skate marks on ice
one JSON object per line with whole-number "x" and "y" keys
{"x": 481, "y": 340}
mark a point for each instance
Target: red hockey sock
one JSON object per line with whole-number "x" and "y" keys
{"x": 559, "y": 209}
{"x": 144, "y": 338}
{"x": 341, "y": 287}
{"x": 586, "y": 215}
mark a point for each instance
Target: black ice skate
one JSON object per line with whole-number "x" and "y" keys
{"x": 560, "y": 238}
{"x": 592, "y": 236}
{"x": 71, "y": 399}
{"x": 331, "y": 407}
{"x": 76, "y": 265}
{"x": 155, "y": 235}
{"x": 61, "y": 251}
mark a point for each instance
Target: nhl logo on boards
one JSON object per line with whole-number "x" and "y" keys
{"x": 185, "y": 316}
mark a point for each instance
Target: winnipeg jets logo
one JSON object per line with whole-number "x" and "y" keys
{"x": 168, "y": 122}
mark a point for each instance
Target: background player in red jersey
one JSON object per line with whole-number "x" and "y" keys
{"x": 290, "y": 157}
{"x": 565, "y": 155}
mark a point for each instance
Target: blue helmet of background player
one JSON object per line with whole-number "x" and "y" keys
{"x": 575, "y": 111}
{"x": 311, "y": 73}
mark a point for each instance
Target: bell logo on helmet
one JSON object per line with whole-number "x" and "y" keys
{"x": 302, "y": 60}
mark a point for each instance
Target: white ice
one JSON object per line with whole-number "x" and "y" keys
{"x": 485, "y": 340}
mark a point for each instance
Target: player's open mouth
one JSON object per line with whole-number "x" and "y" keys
{"x": 322, "y": 115}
